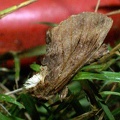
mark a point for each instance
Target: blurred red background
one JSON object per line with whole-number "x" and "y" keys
{"x": 19, "y": 30}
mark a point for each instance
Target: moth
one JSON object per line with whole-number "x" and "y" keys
{"x": 73, "y": 43}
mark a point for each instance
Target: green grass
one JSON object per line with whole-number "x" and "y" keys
{"x": 94, "y": 92}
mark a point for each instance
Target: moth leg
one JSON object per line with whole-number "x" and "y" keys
{"x": 103, "y": 50}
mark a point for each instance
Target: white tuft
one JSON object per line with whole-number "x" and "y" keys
{"x": 33, "y": 81}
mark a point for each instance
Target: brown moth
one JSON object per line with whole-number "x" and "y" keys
{"x": 73, "y": 43}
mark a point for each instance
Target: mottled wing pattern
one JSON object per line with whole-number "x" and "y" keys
{"x": 103, "y": 50}
{"x": 72, "y": 44}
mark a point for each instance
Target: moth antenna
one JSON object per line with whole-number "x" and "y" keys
{"x": 97, "y": 6}
{"x": 113, "y": 12}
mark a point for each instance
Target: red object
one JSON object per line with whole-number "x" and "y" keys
{"x": 19, "y": 30}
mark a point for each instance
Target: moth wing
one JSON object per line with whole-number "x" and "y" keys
{"x": 103, "y": 50}
{"x": 72, "y": 44}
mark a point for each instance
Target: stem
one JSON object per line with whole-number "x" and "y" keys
{"x": 113, "y": 12}
{"x": 5, "y": 109}
{"x": 97, "y": 6}
{"x": 15, "y": 91}
{"x": 14, "y": 8}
